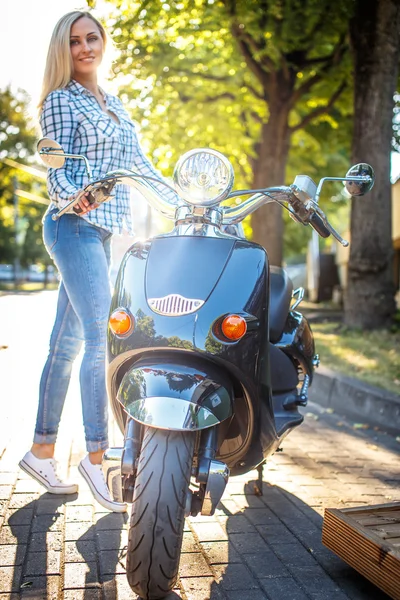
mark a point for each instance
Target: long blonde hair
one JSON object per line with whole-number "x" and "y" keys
{"x": 58, "y": 70}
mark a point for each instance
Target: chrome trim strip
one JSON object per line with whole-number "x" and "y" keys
{"x": 217, "y": 479}
{"x": 174, "y": 305}
{"x": 300, "y": 293}
{"x": 111, "y": 466}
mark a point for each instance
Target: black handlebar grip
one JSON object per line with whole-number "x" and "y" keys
{"x": 318, "y": 225}
{"x": 77, "y": 209}
{"x": 91, "y": 198}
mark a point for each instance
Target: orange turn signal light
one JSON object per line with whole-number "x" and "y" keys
{"x": 121, "y": 322}
{"x": 233, "y": 327}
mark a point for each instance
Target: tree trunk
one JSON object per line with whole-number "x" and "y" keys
{"x": 374, "y": 31}
{"x": 269, "y": 170}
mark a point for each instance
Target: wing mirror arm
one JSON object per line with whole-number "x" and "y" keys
{"x": 53, "y": 155}
{"x": 50, "y": 152}
{"x": 359, "y": 180}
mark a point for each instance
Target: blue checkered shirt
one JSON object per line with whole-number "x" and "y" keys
{"x": 73, "y": 117}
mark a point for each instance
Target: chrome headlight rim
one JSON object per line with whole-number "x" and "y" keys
{"x": 187, "y": 196}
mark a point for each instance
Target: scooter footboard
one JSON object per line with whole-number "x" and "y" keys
{"x": 177, "y": 397}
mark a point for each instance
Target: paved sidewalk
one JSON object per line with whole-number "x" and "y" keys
{"x": 254, "y": 548}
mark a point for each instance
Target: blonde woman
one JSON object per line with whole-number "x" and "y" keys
{"x": 85, "y": 120}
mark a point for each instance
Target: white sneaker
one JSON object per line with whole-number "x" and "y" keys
{"x": 93, "y": 474}
{"x": 44, "y": 470}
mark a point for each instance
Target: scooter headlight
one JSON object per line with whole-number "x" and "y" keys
{"x": 203, "y": 177}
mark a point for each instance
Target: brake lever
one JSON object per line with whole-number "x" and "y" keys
{"x": 104, "y": 194}
{"x": 68, "y": 206}
{"x": 331, "y": 229}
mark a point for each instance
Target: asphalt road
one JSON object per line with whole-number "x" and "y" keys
{"x": 254, "y": 548}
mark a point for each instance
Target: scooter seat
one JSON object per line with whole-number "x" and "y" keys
{"x": 281, "y": 287}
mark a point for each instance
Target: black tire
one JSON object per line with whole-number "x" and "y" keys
{"x": 158, "y": 512}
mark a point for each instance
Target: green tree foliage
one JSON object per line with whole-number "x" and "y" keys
{"x": 18, "y": 139}
{"x": 251, "y": 78}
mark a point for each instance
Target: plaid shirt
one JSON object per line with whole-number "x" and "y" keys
{"x": 73, "y": 117}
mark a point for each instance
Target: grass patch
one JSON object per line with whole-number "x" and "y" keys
{"x": 372, "y": 356}
{"x": 27, "y": 286}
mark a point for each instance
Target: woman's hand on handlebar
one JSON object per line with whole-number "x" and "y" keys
{"x": 85, "y": 204}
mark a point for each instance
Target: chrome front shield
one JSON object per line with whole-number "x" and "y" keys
{"x": 171, "y": 413}
{"x": 176, "y": 397}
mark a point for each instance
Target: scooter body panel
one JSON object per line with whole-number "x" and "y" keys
{"x": 228, "y": 276}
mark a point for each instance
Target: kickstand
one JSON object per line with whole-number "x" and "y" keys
{"x": 258, "y": 485}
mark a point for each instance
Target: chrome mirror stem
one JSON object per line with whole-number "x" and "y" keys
{"x": 50, "y": 152}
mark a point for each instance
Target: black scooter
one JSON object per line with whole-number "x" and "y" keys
{"x": 208, "y": 359}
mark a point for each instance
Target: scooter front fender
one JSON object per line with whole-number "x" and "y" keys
{"x": 167, "y": 395}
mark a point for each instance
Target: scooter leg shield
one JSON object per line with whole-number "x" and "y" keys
{"x": 176, "y": 397}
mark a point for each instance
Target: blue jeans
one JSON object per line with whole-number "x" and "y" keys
{"x": 81, "y": 252}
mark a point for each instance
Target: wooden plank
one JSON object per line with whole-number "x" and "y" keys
{"x": 368, "y": 539}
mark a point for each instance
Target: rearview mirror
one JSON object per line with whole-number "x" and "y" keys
{"x": 51, "y": 153}
{"x": 360, "y": 187}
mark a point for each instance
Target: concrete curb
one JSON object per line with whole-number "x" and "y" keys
{"x": 356, "y": 399}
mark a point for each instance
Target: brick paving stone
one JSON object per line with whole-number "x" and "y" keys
{"x": 209, "y": 532}
{"x": 227, "y": 506}
{"x": 8, "y": 477}
{"x": 22, "y": 500}
{"x": 235, "y": 577}
{"x": 80, "y": 575}
{"x": 266, "y": 565}
{"x": 202, "y": 519}
{"x": 313, "y": 579}
{"x": 201, "y": 588}
{"x": 19, "y": 516}
{"x": 261, "y": 516}
{"x": 10, "y": 578}
{"x": 78, "y": 551}
{"x": 248, "y": 543}
{"x": 43, "y": 563}
{"x": 49, "y": 506}
{"x": 111, "y": 563}
{"x": 282, "y": 588}
{"x": 250, "y": 595}
{"x": 275, "y": 534}
{"x": 329, "y": 596}
{"x": 46, "y": 540}
{"x": 51, "y": 522}
{"x": 236, "y": 524}
{"x": 85, "y": 594}
{"x": 78, "y": 531}
{"x": 5, "y": 492}
{"x": 220, "y": 552}
{"x": 193, "y": 565}
{"x": 189, "y": 543}
{"x": 12, "y": 555}
{"x": 294, "y": 554}
{"x": 358, "y": 588}
{"x": 84, "y": 498}
{"x": 41, "y": 588}
{"x": 15, "y": 535}
{"x": 27, "y": 486}
{"x": 79, "y": 514}
{"x": 247, "y": 501}
{"x": 111, "y": 521}
{"x": 112, "y": 539}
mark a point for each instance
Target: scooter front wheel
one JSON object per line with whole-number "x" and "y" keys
{"x": 158, "y": 512}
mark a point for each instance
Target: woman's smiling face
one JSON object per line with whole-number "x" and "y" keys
{"x": 87, "y": 47}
